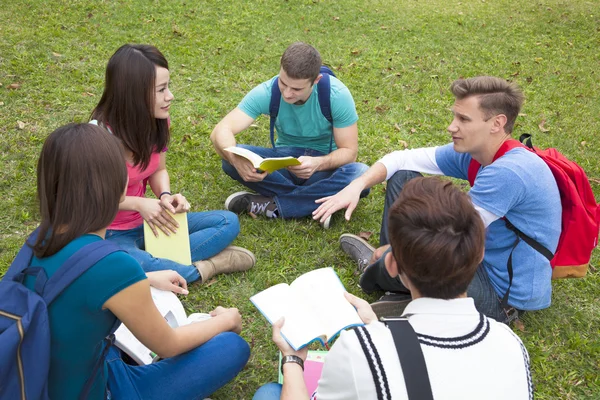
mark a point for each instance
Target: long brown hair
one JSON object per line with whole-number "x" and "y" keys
{"x": 81, "y": 176}
{"x": 127, "y": 104}
{"x": 437, "y": 237}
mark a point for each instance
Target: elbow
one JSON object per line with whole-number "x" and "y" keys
{"x": 213, "y": 135}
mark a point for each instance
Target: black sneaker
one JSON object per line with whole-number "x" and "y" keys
{"x": 358, "y": 249}
{"x": 391, "y": 304}
{"x": 240, "y": 202}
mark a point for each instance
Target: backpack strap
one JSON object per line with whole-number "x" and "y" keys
{"x": 23, "y": 258}
{"x": 505, "y": 147}
{"x": 411, "y": 358}
{"x": 75, "y": 266}
{"x": 274, "y": 108}
{"x": 324, "y": 93}
{"x": 324, "y": 96}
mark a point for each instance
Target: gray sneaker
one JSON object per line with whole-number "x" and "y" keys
{"x": 358, "y": 249}
{"x": 240, "y": 202}
{"x": 391, "y": 304}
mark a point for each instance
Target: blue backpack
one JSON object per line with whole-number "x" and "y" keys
{"x": 323, "y": 90}
{"x": 24, "y": 325}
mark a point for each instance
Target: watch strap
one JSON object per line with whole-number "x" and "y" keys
{"x": 291, "y": 359}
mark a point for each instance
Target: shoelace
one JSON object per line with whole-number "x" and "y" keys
{"x": 259, "y": 208}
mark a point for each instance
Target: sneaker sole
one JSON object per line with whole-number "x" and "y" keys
{"x": 386, "y": 309}
{"x": 232, "y": 196}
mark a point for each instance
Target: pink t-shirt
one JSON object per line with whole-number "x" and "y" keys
{"x": 136, "y": 187}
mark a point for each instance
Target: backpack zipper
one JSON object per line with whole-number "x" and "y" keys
{"x": 19, "y": 361}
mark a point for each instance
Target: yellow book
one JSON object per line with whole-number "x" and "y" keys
{"x": 175, "y": 247}
{"x": 263, "y": 164}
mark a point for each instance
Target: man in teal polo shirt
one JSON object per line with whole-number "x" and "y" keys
{"x": 325, "y": 149}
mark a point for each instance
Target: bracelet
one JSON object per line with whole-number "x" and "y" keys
{"x": 161, "y": 195}
{"x": 292, "y": 359}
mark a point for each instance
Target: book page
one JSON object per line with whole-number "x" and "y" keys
{"x": 273, "y": 164}
{"x": 251, "y": 156}
{"x": 323, "y": 293}
{"x": 278, "y": 301}
{"x": 170, "y": 308}
{"x": 175, "y": 247}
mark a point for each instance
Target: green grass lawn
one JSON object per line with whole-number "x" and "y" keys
{"x": 398, "y": 57}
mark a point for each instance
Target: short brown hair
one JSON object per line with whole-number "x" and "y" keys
{"x": 437, "y": 237}
{"x": 496, "y": 96}
{"x": 301, "y": 61}
{"x": 81, "y": 176}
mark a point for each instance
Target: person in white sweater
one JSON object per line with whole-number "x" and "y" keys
{"x": 437, "y": 240}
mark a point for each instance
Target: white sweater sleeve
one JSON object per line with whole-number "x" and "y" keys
{"x": 420, "y": 160}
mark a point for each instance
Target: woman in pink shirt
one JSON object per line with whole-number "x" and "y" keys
{"x": 135, "y": 108}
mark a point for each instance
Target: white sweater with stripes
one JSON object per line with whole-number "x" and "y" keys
{"x": 468, "y": 356}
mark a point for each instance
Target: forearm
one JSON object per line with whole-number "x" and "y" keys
{"x": 374, "y": 175}
{"x": 188, "y": 337}
{"x": 337, "y": 158}
{"x": 221, "y": 138}
{"x": 294, "y": 387}
{"x": 131, "y": 203}
{"x": 160, "y": 182}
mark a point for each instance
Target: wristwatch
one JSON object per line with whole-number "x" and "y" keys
{"x": 293, "y": 359}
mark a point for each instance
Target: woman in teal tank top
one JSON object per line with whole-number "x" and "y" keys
{"x": 81, "y": 181}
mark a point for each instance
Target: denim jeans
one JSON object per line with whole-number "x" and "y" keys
{"x": 295, "y": 197}
{"x": 376, "y": 276}
{"x": 192, "y": 375}
{"x": 210, "y": 233}
{"x": 269, "y": 391}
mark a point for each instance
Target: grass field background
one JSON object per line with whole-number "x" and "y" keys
{"x": 398, "y": 58}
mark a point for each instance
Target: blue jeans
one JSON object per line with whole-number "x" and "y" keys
{"x": 269, "y": 391}
{"x": 295, "y": 197}
{"x": 192, "y": 375}
{"x": 210, "y": 233}
{"x": 376, "y": 276}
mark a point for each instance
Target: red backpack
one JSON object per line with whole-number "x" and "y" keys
{"x": 580, "y": 212}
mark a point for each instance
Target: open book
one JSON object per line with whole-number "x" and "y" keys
{"x": 172, "y": 310}
{"x": 175, "y": 247}
{"x": 313, "y": 305}
{"x": 263, "y": 164}
{"x": 313, "y": 367}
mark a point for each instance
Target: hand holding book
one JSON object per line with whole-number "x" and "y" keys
{"x": 313, "y": 305}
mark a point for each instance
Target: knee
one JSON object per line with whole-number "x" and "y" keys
{"x": 228, "y": 169}
{"x": 232, "y": 221}
{"x": 237, "y": 348}
{"x": 356, "y": 169}
{"x": 269, "y": 391}
{"x": 398, "y": 180}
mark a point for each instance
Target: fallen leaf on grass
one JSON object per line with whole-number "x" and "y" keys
{"x": 252, "y": 215}
{"x": 365, "y": 234}
{"x": 397, "y": 127}
{"x": 1, "y": 103}
{"x": 583, "y": 143}
{"x": 541, "y": 126}
{"x": 21, "y": 125}
{"x": 413, "y": 130}
{"x": 403, "y": 143}
{"x": 519, "y": 325}
{"x": 185, "y": 138}
{"x": 13, "y": 86}
{"x": 56, "y": 54}
{"x": 211, "y": 282}
{"x": 336, "y": 18}
{"x": 88, "y": 94}
{"x": 594, "y": 180}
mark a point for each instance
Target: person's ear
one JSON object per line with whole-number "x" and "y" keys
{"x": 499, "y": 123}
{"x": 390, "y": 264}
{"x": 318, "y": 79}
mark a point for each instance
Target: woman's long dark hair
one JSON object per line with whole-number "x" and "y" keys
{"x": 81, "y": 176}
{"x": 127, "y": 104}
